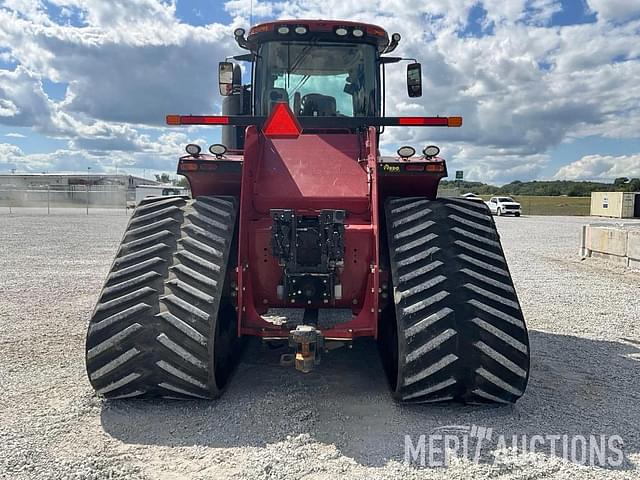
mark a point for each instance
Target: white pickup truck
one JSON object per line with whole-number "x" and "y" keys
{"x": 504, "y": 206}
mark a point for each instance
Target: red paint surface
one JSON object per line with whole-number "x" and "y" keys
{"x": 310, "y": 173}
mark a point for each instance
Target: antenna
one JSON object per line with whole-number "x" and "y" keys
{"x": 251, "y": 13}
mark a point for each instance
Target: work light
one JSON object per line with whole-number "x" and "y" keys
{"x": 193, "y": 149}
{"x": 431, "y": 151}
{"x": 406, "y": 151}
{"x": 218, "y": 149}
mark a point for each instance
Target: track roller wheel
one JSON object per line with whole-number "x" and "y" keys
{"x": 164, "y": 325}
{"x": 458, "y": 332}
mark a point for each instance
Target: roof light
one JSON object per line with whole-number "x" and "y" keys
{"x": 239, "y": 32}
{"x": 218, "y": 149}
{"x": 341, "y": 31}
{"x": 431, "y": 151}
{"x": 406, "y": 151}
{"x": 454, "y": 122}
{"x": 396, "y": 37}
{"x": 283, "y": 30}
{"x": 261, "y": 28}
{"x": 197, "y": 120}
{"x": 300, "y": 30}
{"x": 357, "y": 33}
{"x": 282, "y": 123}
{"x": 376, "y": 31}
{"x": 193, "y": 149}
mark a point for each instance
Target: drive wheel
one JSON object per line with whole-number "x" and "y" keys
{"x": 164, "y": 324}
{"x": 455, "y": 330}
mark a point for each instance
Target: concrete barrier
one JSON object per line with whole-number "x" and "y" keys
{"x": 633, "y": 249}
{"x": 617, "y": 243}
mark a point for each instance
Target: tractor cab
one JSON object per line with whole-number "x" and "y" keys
{"x": 317, "y": 68}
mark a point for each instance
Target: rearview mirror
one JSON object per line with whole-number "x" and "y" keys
{"x": 225, "y": 78}
{"x": 414, "y": 79}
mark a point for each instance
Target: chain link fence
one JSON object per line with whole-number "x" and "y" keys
{"x": 53, "y": 197}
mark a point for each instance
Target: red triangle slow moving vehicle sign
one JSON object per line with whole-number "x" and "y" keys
{"x": 282, "y": 123}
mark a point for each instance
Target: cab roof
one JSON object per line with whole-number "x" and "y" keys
{"x": 328, "y": 30}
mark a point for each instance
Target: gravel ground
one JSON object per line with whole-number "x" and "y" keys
{"x": 338, "y": 421}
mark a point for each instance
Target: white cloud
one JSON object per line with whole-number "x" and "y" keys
{"x": 494, "y": 166}
{"x": 8, "y": 150}
{"x": 15, "y": 135}
{"x": 129, "y": 65}
{"x": 601, "y": 167}
{"x": 618, "y": 10}
{"x": 135, "y": 71}
{"x": 8, "y": 108}
{"x": 244, "y": 8}
{"x": 23, "y": 103}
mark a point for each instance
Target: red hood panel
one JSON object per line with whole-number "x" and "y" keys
{"x": 295, "y": 173}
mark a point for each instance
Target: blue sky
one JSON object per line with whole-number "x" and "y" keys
{"x": 548, "y": 88}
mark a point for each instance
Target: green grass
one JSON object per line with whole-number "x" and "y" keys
{"x": 535, "y": 205}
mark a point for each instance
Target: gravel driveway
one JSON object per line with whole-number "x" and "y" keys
{"x": 338, "y": 421}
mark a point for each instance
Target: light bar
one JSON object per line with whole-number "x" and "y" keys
{"x": 197, "y": 120}
{"x": 318, "y": 122}
{"x": 437, "y": 121}
{"x": 431, "y": 121}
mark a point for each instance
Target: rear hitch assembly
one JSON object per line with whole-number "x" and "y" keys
{"x": 308, "y": 343}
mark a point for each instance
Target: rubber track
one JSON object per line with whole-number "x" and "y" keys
{"x": 152, "y": 329}
{"x": 461, "y": 332}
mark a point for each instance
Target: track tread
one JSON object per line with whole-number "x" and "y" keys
{"x": 460, "y": 328}
{"x": 151, "y": 331}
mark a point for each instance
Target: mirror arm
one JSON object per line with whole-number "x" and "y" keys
{"x": 247, "y": 57}
{"x": 387, "y": 60}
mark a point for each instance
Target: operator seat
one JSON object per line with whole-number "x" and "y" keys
{"x": 276, "y": 95}
{"x": 317, "y": 105}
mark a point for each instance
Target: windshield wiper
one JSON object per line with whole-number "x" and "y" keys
{"x": 303, "y": 54}
{"x": 301, "y": 83}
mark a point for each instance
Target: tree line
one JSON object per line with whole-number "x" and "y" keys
{"x": 546, "y": 188}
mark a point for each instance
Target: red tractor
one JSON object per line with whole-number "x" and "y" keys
{"x": 299, "y": 231}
